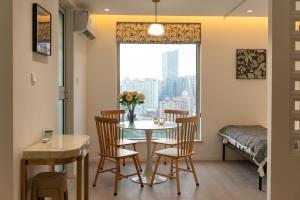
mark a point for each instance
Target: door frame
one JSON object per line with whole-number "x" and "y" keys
{"x": 69, "y": 71}
{"x": 62, "y": 88}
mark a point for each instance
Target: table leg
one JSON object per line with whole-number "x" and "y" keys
{"x": 148, "y": 169}
{"x": 86, "y": 177}
{"x": 52, "y": 168}
{"x": 78, "y": 178}
{"x": 23, "y": 179}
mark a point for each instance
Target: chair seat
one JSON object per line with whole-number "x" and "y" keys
{"x": 122, "y": 153}
{"x": 165, "y": 141}
{"x": 170, "y": 152}
{"x": 125, "y": 142}
{"x": 50, "y": 180}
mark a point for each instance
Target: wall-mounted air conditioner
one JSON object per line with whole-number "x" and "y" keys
{"x": 83, "y": 23}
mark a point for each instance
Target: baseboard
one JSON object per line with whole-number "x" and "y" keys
{"x": 196, "y": 158}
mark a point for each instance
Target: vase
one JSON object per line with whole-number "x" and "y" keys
{"x": 131, "y": 116}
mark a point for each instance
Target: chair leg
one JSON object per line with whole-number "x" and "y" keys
{"x": 135, "y": 160}
{"x": 155, "y": 170}
{"x": 103, "y": 163}
{"x": 117, "y": 176}
{"x": 187, "y": 163}
{"x": 98, "y": 170}
{"x": 165, "y": 162}
{"x": 124, "y": 158}
{"x": 171, "y": 168}
{"x": 193, "y": 170}
{"x": 66, "y": 195}
{"x": 138, "y": 160}
{"x": 153, "y": 150}
{"x": 177, "y": 177}
{"x": 259, "y": 183}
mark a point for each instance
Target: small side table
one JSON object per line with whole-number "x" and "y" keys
{"x": 61, "y": 149}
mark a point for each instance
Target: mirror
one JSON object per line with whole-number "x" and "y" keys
{"x": 41, "y": 30}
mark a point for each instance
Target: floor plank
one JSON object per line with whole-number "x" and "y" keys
{"x": 229, "y": 180}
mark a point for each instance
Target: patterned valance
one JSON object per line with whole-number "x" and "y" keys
{"x": 129, "y": 32}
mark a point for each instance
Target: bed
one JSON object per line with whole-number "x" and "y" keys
{"x": 250, "y": 141}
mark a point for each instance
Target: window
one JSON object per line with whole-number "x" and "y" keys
{"x": 165, "y": 73}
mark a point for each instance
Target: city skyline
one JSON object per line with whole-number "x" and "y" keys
{"x": 168, "y": 90}
{"x": 172, "y": 92}
{"x": 139, "y": 61}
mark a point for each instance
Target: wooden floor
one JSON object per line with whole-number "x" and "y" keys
{"x": 229, "y": 180}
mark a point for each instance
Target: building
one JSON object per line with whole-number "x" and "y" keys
{"x": 183, "y": 102}
{"x": 169, "y": 86}
{"x": 170, "y": 65}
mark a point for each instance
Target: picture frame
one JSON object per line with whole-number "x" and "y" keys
{"x": 41, "y": 30}
{"x": 251, "y": 63}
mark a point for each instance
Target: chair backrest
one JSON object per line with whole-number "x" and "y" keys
{"x": 186, "y": 134}
{"x": 172, "y": 115}
{"x": 108, "y": 135}
{"x": 116, "y": 114}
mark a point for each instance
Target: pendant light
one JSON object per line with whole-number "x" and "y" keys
{"x": 156, "y": 29}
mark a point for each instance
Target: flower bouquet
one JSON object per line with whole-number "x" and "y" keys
{"x": 131, "y": 100}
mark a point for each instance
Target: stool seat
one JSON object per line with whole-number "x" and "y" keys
{"x": 49, "y": 184}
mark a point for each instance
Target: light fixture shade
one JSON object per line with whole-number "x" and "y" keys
{"x": 156, "y": 30}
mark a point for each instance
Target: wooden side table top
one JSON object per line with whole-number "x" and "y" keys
{"x": 58, "y": 147}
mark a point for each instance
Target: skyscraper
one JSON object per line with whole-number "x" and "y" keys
{"x": 169, "y": 74}
{"x": 170, "y": 65}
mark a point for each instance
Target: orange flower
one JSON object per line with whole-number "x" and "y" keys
{"x": 141, "y": 96}
{"x": 135, "y": 93}
{"x": 128, "y": 97}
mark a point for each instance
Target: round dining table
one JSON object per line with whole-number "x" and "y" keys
{"x": 148, "y": 126}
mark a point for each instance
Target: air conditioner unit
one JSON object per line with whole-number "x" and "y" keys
{"x": 84, "y": 24}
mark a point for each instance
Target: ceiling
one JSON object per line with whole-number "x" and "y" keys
{"x": 175, "y": 7}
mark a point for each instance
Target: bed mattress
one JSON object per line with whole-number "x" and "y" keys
{"x": 250, "y": 139}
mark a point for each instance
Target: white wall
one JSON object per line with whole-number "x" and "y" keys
{"x": 80, "y": 84}
{"x": 225, "y": 100}
{"x": 6, "y": 107}
{"x": 35, "y": 106}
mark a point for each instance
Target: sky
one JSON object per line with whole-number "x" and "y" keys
{"x": 145, "y": 60}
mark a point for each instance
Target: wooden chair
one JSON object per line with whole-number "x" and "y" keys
{"x": 119, "y": 114}
{"x": 109, "y": 138}
{"x": 170, "y": 140}
{"x": 184, "y": 149}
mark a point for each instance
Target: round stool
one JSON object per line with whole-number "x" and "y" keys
{"x": 49, "y": 184}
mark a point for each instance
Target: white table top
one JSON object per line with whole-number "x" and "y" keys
{"x": 59, "y": 146}
{"x": 147, "y": 125}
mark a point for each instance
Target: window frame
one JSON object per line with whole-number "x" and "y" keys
{"x": 198, "y": 85}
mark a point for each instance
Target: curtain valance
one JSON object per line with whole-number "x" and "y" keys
{"x": 137, "y": 32}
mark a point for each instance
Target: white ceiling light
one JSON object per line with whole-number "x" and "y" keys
{"x": 249, "y": 11}
{"x": 156, "y": 29}
{"x": 106, "y": 9}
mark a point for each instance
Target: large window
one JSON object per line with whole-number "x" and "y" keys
{"x": 165, "y": 73}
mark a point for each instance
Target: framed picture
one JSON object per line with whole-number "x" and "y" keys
{"x": 41, "y": 30}
{"x": 251, "y": 63}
